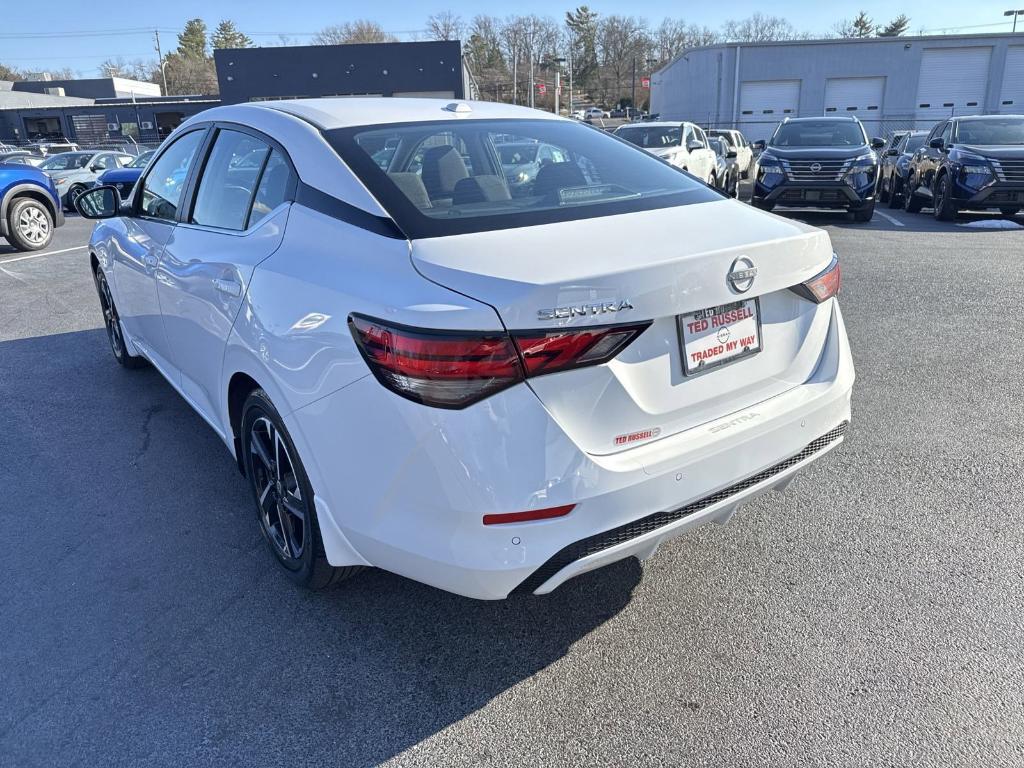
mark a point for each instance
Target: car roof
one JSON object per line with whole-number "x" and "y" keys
{"x": 656, "y": 124}
{"x": 823, "y": 118}
{"x": 331, "y": 113}
{"x": 981, "y": 118}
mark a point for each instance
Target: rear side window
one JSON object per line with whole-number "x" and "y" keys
{"x": 273, "y": 187}
{"x": 165, "y": 181}
{"x": 229, "y": 180}
{"x": 452, "y": 177}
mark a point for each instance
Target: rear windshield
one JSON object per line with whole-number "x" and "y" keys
{"x": 990, "y": 132}
{"x": 451, "y": 177}
{"x": 651, "y": 137}
{"x": 66, "y": 161}
{"x": 819, "y": 133}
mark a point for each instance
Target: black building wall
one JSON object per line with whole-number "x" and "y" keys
{"x": 379, "y": 69}
{"x": 96, "y": 88}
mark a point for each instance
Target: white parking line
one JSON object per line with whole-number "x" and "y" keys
{"x": 890, "y": 219}
{"x": 45, "y": 253}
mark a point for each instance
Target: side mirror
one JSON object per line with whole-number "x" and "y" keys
{"x": 96, "y": 168}
{"x": 877, "y": 143}
{"x": 99, "y": 203}
{"x": 694, "y": 144}
{"x": 731, "y": 153}
{"x": 760, "y": 144}
{"x": 935, "y": 143}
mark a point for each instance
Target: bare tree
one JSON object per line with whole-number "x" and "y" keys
{"x": 483, "y": 53}
{"x": 444, "y": 26}
{"x": 358, "y": 31}
{"x": 136, "y": 69}
{"x": 625, "y": 43}
{"x": 759, "y": 29}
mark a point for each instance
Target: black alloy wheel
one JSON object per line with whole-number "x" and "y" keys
{"x": 285, "y": 507}
{"x": 115, "y": 333}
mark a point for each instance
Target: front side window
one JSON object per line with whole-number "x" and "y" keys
{"x": 819, "y": 133}
{"x": 230, "y": 175}
{"x": 165, "y": 181}
{"x": 991, "y": 131}
{"x": 461, "y": 182}
{"x": 947, "y": 133}
{"x": 913, "y": 143}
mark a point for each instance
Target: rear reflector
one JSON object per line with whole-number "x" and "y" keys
{"x": 453, "y": 369}
{"x": 822, "y": 286}
{"x": 525, "y": 517}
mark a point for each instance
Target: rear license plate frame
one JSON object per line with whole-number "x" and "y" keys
{"x": 703, "y": 367}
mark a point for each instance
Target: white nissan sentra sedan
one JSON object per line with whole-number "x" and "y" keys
{"x": 418, "y": 368}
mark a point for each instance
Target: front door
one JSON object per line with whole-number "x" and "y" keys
{"x": 146, "y": 232}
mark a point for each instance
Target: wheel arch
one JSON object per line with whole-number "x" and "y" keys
{"x": 18, "y": 191}
{"x": 240, "y": 386}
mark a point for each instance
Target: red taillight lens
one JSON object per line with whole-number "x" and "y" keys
{"x": 438, "y": 368}
{"x": 822, "y": 286}
{"x": 551, "y": 351}
{"x": 453, "y": 369}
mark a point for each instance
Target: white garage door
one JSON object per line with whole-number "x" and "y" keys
{"x": 860, "y": 96}
{"x": 952, "y": 82}
{"x": 764, "y": 103}
{"x": 1011, "y": 100}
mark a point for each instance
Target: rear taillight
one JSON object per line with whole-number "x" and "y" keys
{"x": 822, "y": 286}
{"x": 453, "y": 369}
{"x": 551, "y": 351}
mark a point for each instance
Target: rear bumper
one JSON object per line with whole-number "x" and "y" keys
{"x": 419, "y": 511}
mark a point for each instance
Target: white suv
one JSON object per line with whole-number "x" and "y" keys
{"x": 417, "y": 368}
{"x": 684, "y": 145}
{"x": 738, "y": 142}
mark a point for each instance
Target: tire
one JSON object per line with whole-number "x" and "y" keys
{"x": 864, "y": 215}
{"x": 911, "y": 202}
{"x": 764, "y": 206}
{"x": 72, "y": 195}
{"x": 283, "y": 497}
{"x": 895, "y": 198}
{"x": 883, "y": 193}
{"x": 734, "y": 192}
{"x": 115, "y": 333}
{"x": 29, "y": 224}
{"x": 943, "y": 205}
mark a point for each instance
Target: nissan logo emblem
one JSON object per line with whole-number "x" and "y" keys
{"x": 741, "y": 274}
{"x": 815, "y": 167}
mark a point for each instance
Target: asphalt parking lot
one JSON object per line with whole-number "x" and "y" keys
{"x": 870, "y": 616}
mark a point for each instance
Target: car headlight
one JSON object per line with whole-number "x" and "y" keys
{"x": 974, "y": 165}
{"x": 768, "y": 164}
{"x": 522, "y": 177}
{"x": 862, "y": 170}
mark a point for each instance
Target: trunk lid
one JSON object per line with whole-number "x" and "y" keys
{"x": 663, "y": 263}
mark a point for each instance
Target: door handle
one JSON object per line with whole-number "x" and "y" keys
{"x": 229, "y": 287}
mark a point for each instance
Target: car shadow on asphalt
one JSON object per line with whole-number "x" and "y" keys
{"x": 146, "y": 613}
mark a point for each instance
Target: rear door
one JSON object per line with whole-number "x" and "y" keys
{"x": 236, "y": 220}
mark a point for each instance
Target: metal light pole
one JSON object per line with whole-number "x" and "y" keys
{"x": 558, "y": 62}
{"x": 1015, "y": 14}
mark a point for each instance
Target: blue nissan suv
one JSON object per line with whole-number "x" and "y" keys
{"x": 972, "y": 163}
{"x": 818, "y": 162}
{"x": 30, "y": 208}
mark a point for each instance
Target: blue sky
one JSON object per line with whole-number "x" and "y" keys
{"x": 264, "y": 20}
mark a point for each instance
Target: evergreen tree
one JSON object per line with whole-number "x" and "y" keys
{"x": 192, "y": 40}
{"x": 863, "y": 26}
{"x": 226, "y": 35}
{"x": 896, "y": 27}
